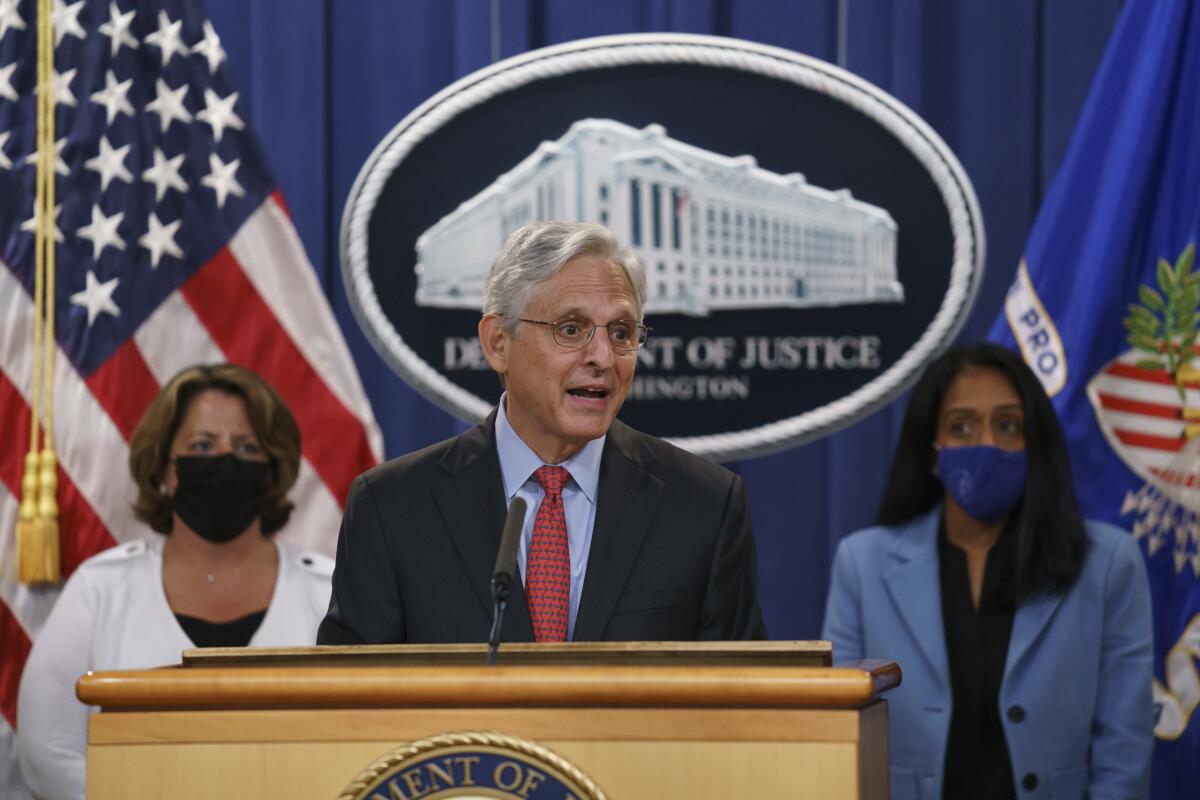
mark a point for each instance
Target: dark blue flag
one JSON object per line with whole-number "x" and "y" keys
{"x": 1104, "y": 308}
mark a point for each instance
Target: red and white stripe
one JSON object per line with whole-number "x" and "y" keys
{"x": 1141, "y": 414}
{"x": 256, "y": 303}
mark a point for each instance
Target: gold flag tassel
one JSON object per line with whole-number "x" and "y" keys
{"x": 38, "y": 549}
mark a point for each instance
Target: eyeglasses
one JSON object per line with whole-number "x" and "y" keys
{"x": 624, "y": 335}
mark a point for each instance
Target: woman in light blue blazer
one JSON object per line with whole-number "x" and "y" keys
{"x": 1023, "y": 631}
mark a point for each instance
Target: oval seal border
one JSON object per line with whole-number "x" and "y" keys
{"x": 371, "y": 778}
{"x": 966, "y": 221}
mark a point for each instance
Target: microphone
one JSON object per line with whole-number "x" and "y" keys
{"x": 506, "y": 567}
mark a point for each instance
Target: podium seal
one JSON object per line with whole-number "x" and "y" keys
{"x": 472, "y": 765}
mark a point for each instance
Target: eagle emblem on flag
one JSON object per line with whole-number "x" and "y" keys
{"x": 1147, "y": 403}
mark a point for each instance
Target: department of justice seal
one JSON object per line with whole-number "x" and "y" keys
{"x": 810, "y": 243}
{"x": 472, "y": 765}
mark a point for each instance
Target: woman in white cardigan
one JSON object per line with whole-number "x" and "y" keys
{"x": 213, "y": 459}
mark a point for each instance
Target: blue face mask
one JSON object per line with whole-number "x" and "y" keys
{"x": 986, "y": 481}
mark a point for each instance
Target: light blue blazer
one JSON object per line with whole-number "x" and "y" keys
{"x": 1079, "y": 664}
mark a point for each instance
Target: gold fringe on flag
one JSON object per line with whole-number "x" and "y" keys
{"x": 38, "y": 549}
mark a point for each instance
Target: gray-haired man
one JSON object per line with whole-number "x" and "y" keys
{"x": 626, "y": 537}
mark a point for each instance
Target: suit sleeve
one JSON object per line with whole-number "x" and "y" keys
{"x": 730, "y": 610}
{"x": 1123, "y": 728}
{"x": 365, "y": 605}
{"x": 843, "y": 609}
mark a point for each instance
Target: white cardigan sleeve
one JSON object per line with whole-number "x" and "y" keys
{"x": 51, "y": 721}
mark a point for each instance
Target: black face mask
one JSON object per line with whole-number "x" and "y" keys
{"x": 219, "y": 496}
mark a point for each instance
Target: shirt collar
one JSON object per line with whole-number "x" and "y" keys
{"x": 518, "y": 461}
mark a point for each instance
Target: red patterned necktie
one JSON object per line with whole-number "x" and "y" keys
{"x": 548, "y": 568}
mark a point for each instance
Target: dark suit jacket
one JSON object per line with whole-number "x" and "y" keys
{"x": 672, "y": 554}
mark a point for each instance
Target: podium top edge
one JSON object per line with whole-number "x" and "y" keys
{"x": 546, "y": 685}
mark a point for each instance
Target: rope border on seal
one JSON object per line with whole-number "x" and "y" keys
{"x": 567, "y": 772}
{"x": 966, "y": 271}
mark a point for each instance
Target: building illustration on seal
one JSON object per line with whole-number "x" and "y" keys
{"x": 715, "y": 232}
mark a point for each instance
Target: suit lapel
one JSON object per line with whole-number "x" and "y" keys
{"x": 471, "y": 502}
{"x": 913, "y": 583}
{"x": 627, "y": 499}
{"x": 1031, "y": 619}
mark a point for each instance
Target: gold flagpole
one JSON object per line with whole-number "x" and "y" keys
{"x": 27, "y": 519}
{"x": 38, "y": 551}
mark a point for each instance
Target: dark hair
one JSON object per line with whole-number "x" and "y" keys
{"x": 1047, "y": 523}
{"x": 273, "y": 423}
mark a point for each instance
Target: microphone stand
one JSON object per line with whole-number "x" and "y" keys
{"x": 506, "y": 566}
{"x": 500, "y": 586}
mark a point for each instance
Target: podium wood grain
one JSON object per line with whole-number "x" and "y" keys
{"x": 243, "y": 728}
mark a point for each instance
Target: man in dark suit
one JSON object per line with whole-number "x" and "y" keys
{"x": 626, "y": 537}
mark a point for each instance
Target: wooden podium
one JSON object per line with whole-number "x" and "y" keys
{"x": 642, "y": 720}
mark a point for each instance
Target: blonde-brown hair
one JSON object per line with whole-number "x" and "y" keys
{"x": 272, "y": 421}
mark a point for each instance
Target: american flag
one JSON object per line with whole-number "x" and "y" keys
{"x": 173, "y": 247}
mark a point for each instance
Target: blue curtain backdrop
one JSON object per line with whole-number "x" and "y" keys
{"x": 323, "y": 81}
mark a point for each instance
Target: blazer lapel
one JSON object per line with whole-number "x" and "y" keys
{"x": 628, "y": 497}
{"x": 471, "y": 502}
{"x": 913, "y": 583}
{"x": 1031, "y": 619}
